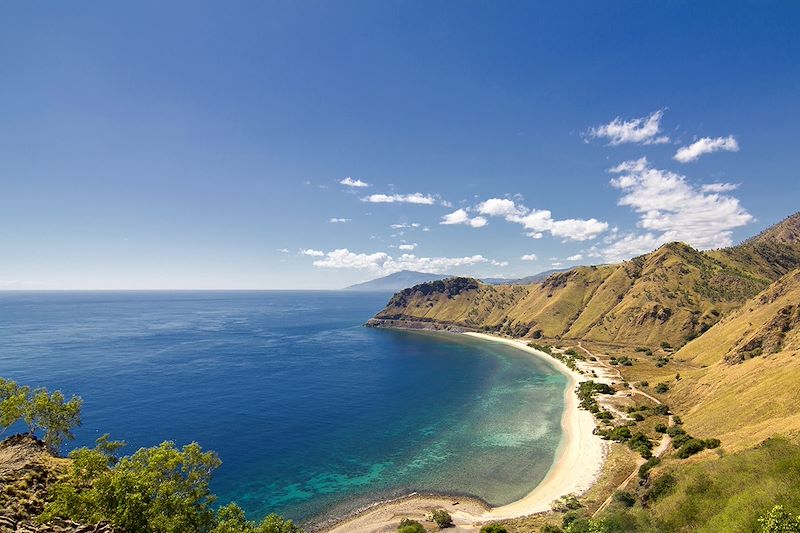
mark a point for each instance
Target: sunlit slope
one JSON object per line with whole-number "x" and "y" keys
{"x": 747, "y": 384}
{"x": 670, "y": 295}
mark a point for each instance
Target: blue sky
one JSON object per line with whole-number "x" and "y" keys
{"x": 204, "y": 145}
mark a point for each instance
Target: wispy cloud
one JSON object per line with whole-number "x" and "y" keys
{"x": 529, "y": 257}
{"x": 336, "y": 220}
{"x": 414, "y": 198}
{"x": 460, "y": 216}
{"x": 311, "y": 252}
{"x": 576, "y": 257}
{"x": 706, "y": 145}
{"x": 350, "y": 182}
{"x": 643, "y": 130}
{"x": 539, "y": 221}
{"x": 407, "y": 246}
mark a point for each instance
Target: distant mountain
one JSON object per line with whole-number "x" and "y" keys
{"x": 396, "y": 282}
{"x": 527, "y": 280}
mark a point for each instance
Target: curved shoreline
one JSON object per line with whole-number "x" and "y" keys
{"x": 579, "y": 459}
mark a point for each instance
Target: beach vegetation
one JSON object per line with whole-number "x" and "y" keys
{"x": 231, "y": 519}
{"x": 410, "y": 526}
{"x": 549, "y": 528}
{"x": 568, "y": 502}
{"x": 494, "y": 528}
{"x": 442, "y": 518}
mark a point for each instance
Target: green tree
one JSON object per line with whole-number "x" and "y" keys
{"x": 410, "y": 526}
{"x": 156, "y": 490}
{"x": 442, "y": 518}
{"x": 493, "y": 528}
{"x": 777, "y": 520}
{"x": 231, "y": 519}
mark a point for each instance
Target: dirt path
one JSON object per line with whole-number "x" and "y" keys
{"x": 660, "y": 450}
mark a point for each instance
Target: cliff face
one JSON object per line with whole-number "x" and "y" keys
{"x": 671, "y": 295}
{"x": 27, "y": 469}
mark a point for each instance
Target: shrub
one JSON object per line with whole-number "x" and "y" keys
{"x": 497, "y": 528}
{"x": 410, "y": 526}
{"x": 624, "y": 498}
{"x": 568, "y": 502}
{"x": 665, "y": 345}
{"x": 691, "y": 447}
{"x": 442, "y": 518}
{"x": 712, "y": 443}
{"x": 777, "y": 520}
{"x": 661, "y": 486}
{"x": 661, "y": 428}
{"x": 638, "y": 417}
{"x": 661, "y": 388}
{"x": 644, "y": 470}
{"x": 644, "y": 383}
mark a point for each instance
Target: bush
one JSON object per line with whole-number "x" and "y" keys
{"x": 691, "y": 447}
{"x": 661, "y": 486}
{"x": 410, "y": 526}
{"x": 231, "y": 519}
{"x": 624, "y": 498}
{"x": 712, "y": 443}
{"x": 777, "y": 520}
{"x": 496, "y": 528}
{"x": 442, "y": 518}
{"x": 661, "y": 388}
{"x": 665, "y": 345}
{"x": 566, "y": 503}
{"x": 661, "y": 428}
{"x": 644, "y": 470}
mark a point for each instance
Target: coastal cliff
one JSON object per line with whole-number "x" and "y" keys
{"x": 672, "y": 295}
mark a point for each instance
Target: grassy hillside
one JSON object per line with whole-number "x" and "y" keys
{"x": 745, "y": 384}
{"x": 672, "y": 294}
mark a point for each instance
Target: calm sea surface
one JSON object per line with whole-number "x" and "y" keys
{"x": 312, "y": 414}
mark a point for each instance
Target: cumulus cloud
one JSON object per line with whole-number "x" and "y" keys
{"x": 382, "y": 263}
{"x": 414, "y": 198}
{"x": 408, "y": 246}
{"x": 350, "y": 182}
{"x": 460, "y": 216}
{"x": 706, "y": 145}
{"x": 672, "y": 209}
{"x": 529, "y": 257}
{"x": 336, "y": 220}
{"x": 643, "y": 130}
{"x": 311, "y": 252}
{"x": 539, "y": 221}
{"x": 576, "y": 257}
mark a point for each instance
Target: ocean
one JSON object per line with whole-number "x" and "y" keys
{"x": 312, "y": 414}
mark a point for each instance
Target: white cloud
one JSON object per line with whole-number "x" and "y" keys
{"x": 720, "y": 187}
{"x": 350, "y": 182}
{"x": 672, "y": 209}
{"x": 380, "y": 263}
{"x": 311, "y": 252}
{"x": 538, "y": 221}
{"x": 499, "y": 263}
{"x": 460, "y": 216}
{"x": 408, "y": 246}
{"x": 335, "y": 220}
{"x": 576, "y": 257}
{"x": 405, "y": 225}
{"x": 529, "y": 257}
{"x": 556, "y": 264}
{"x": 283, "y": 250}
{"x": 414, "y": 198}
{"x": 643, "y": 130}
{"x": 706, "y": 145}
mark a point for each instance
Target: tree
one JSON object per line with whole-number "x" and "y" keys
{"x": 493, "y": 528}
{"x": 231, "y": 519}
{"x": 777, "y": 520}
{"x": 156, "y": 490}
{"x": 442, "y": 518}
{"x": 410, "y": 526}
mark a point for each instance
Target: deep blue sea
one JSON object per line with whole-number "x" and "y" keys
{"x": 312, "y": 414}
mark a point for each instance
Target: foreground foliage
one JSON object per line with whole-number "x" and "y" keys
{"x": 40, "y": 410}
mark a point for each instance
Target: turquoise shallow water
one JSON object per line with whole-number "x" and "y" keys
{"x": 312, "y": 414}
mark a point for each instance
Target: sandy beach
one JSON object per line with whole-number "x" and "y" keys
{"x": 577, "y": 464}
